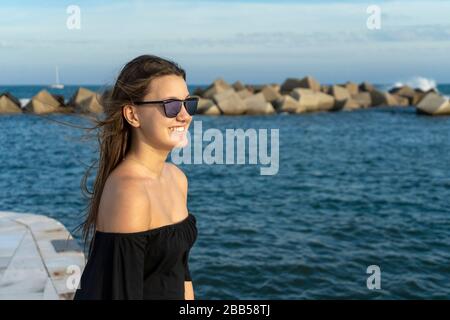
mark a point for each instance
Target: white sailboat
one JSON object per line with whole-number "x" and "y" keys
{"x": 57, "y": 85}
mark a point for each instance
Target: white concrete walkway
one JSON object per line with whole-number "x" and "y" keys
{"x": 37, "y": 258}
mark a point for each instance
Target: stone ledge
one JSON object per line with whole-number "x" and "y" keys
{"x": 35, "y": 253}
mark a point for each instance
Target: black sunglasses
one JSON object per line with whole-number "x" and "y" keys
{"x": 173, "y": 106}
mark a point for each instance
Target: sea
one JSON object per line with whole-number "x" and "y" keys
{"x": 357, "y": 195}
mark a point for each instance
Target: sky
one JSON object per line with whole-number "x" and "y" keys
{"x": 257, "y": 41}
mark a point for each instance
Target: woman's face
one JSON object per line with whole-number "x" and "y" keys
{"x": 158, "y": 130}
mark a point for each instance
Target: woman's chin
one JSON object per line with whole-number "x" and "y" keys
{"x": 181, "y": 144}
{"x": 178, "y": 140}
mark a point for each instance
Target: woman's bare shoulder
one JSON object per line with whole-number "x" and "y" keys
{"x": 124, "y": 205}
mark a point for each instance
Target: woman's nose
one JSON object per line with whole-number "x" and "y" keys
{"x": 183, "y": 114}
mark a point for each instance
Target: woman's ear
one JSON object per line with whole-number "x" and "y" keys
{"x": 130, "y": 114}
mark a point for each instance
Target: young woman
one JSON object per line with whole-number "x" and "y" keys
{"x": 141, "y": 229}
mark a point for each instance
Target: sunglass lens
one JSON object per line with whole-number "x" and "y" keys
{"x": 172, "y": 108}
{"x": 191, "y": 106}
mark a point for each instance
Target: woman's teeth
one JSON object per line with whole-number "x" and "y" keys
{"x": 179, "y": 129}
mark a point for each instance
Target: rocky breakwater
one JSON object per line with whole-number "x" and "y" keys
{"x": 82, "y": 101}
{"x": 297, "y": 95}
{"x": 293, "y": 96}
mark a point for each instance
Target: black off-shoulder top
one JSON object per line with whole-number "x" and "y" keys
{"x": 150, "y": 264}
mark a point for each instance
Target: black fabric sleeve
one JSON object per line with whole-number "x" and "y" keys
{"x": 187, "y": 273}
{"x": 115, "y": 269}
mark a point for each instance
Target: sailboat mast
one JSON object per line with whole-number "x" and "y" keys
{"x": 57, "y": 85}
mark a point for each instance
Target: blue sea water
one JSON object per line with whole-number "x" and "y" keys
{"x": 354, "y": 189}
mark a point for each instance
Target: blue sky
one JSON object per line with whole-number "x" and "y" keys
{"x": 254, "y": 41}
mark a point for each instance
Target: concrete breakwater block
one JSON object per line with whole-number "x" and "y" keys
{"x": 434, "y": 104}
{"x": 39, "y": 259}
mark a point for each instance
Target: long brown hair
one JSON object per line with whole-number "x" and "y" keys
{"x": 114, "y": 132}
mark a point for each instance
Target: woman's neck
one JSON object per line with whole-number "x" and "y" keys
{"x": 152, "y": 159}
